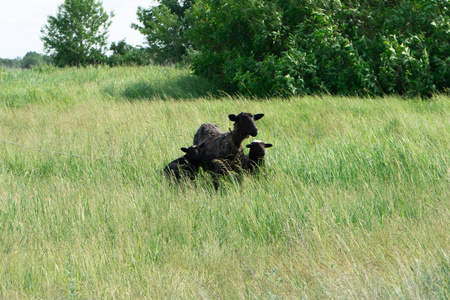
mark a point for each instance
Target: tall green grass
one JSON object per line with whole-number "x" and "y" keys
{"x": 354, "y": 202}
{"x": 47, "y": 85}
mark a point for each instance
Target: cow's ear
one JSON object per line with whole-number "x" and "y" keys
{"x": 258, "y": 116}
{"x": 249, "y": 146}
{"x": 185, "y": 150}
{"x": 267, "y": 145}
{"x": 232, "y": 117}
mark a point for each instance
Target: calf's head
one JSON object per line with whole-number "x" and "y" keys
{"x": 244, "y": 123}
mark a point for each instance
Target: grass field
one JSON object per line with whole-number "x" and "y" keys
{"x": 355, "y": 202}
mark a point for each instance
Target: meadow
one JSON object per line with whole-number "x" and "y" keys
{"x": 354, "y": 203}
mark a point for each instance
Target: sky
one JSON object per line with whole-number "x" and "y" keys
{"x": 21, "y": 22}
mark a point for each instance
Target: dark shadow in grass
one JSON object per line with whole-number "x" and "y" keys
{"x": 187, "y": 87}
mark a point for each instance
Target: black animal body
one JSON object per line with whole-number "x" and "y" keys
{"x": 186, "y": 166}
{"x": 222, "y": 151}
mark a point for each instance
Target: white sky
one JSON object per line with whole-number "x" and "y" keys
{"x": 21, "y": 22}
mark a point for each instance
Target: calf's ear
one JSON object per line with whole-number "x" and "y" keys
{"x": 233, "y": 117}
{"x": 249, "y": 146}
{"x": 267, "y": 145}
{"x": 258, "y": 116}
{"x": 185, "y": 150}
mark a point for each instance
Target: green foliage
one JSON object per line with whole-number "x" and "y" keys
{"x": 164, "y": 27}
{"x": 120, "y": 48}
{"x": 124, "y": 54}
{"x": 33, "y": 59}
{"x": 30, "y": 60}
{"x": 10, "y": 63}
{"x": 78, "y": 33}
{"x": 295, "y": 47}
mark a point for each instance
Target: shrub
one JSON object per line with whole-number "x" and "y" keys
{"x": 294, "y": 47}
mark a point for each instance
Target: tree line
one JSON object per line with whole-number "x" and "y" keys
{"x": 273, "y": 47}
{"x": 27, "y": 62}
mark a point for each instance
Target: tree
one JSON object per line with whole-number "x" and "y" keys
{"x": 121, "y": 48}
{"x": 10, "y": 63}
{"x": 124, "y": 54}
{"x": 78, "y": 34}
{"x": 34, "y": 59}
{"x": 164, "y": 27}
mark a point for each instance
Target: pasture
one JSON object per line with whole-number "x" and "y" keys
{"x": 354, "y": 204}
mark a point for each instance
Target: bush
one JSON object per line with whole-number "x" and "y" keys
{"x": 295, "y": 47}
